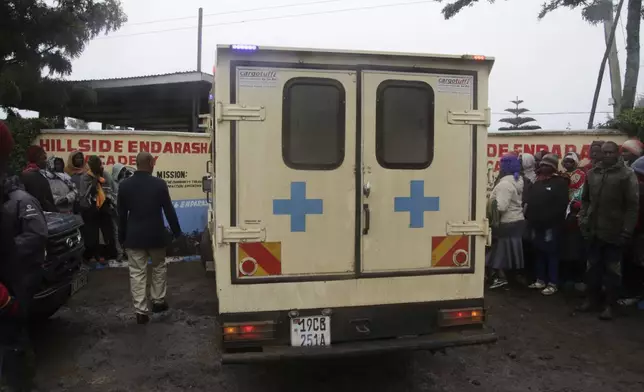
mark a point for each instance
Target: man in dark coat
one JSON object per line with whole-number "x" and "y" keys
{"x": 34, "y": 179}
{"x": 142, "y": 201}
{"x": 23, "y": 237}
{"x": 608, "y": 216}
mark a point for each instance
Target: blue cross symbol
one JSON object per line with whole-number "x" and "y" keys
{"x": 416, "y": 204}
{"x": 298, "y": 206}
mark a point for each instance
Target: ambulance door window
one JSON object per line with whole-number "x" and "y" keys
{"x": 313, "y": 124}
{"x": 405, "y": 124}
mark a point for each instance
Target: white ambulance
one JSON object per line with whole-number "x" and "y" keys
{"x": 349, "y": 201}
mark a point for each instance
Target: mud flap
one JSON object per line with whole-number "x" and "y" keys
{"x": 206, "y": 253}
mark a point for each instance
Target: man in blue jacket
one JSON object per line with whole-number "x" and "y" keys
{"x": 142, "y": 201}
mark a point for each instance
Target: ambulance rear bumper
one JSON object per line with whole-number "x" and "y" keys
{"x": 433, "y": 342}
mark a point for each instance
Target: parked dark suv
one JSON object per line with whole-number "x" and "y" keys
{"x": 64, "y": 271}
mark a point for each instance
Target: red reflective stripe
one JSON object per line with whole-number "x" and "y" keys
{"x": 264, "y": 258}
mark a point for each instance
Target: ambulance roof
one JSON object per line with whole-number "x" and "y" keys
{"x": 250, "y": 48}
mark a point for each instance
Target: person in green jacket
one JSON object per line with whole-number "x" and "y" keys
{"x": 607, "y": 219}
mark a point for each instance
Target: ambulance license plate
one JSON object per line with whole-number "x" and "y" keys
{"x": 311, "y": 331}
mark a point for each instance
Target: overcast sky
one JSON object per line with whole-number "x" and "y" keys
{"x": 551, "y": 64}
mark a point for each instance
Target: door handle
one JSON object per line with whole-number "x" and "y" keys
{"x": 367, "y": 219}
{"x": 366, "y": 189}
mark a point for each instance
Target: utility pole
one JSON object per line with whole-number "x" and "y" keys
{"x": 613, "y": 63}
{"x": 199, "y": 39}
{"x": 602, "y": 67}
{"x": 194, "y": 124}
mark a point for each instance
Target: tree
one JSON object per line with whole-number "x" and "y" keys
{"x": 593, "y": 11}
{"x": 630, "y": 122}
{"x": 640, "y": 101}
{"x": 39, "y": 41}
{"x": 518, "y": 122}
{"x": 24, "y": 131}
{"x": 633, "y": 20}
{"x": 74, "y": 123}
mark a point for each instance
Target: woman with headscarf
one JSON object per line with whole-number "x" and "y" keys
{"x": 631, "y": 150}
{"x": 96, "y": 208}
{"x": 528, "y": 170}
{"x": 538, "y": 156}
{"x": 528, "y": 166}
{"x": 34, "y": 178}
{"x": 76, "y": 167}
{"x": 546, "y": 213}
{"x": 506, "y": 214}
{"x": 62, "y": 187}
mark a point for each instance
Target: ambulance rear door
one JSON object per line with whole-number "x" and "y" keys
{"x": 419, "y": 171}
{"x": 294, "y": 172}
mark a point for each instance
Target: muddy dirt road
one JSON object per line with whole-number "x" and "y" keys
{"x": 95, "y": 345}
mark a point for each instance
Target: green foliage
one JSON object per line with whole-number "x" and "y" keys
{"x": 39, "y": 36}
{"x": 456, "y": 6}
{"x": 24, "y": 131}
{"x": 630, "y": 122}
{"x": 593, "y": 11}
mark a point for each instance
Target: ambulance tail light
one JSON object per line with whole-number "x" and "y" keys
{"x": 457, "y": 317}
{"x": 476, "y": 57}
{"x": 260, "y": 330}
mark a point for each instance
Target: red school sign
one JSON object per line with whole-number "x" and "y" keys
{"x": 497, "y": 150}
{"x": 120, "y": 151}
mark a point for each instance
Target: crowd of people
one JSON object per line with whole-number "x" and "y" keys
{"x": 558, "y": 224}
{"x": 130, "y": 217}
{"x": 79, "y": 187}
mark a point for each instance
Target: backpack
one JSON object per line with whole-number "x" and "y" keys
{"x": 492, "y": 213}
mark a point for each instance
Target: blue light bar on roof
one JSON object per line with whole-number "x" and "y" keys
{"x": 244, "y": 48}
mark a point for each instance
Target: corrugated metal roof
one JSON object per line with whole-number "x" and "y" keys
{"x": 141, "y": 76}
{"x": 149, "y": 80}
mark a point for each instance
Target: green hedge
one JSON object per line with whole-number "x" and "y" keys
{"x": 24, "y": 131}
{"x": 630, "y": 122}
